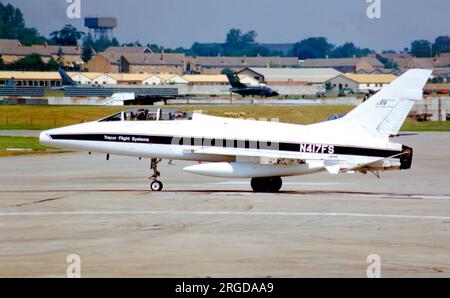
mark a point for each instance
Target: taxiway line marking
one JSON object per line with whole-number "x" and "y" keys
{"x": 252, "y": 213}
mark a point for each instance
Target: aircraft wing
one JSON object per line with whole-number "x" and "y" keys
{"x": 373, "y": 163}
{"x": 332, "y": 165}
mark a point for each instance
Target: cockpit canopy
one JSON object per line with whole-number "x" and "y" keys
{"x": 144, "y": 114}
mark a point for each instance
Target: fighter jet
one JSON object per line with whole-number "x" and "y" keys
{"x": 244, "y": 90}
{"x": 68, "y": 82}
{"x": 263, "y": 151}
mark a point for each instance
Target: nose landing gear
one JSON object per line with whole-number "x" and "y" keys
{"x": 155, "y": 185}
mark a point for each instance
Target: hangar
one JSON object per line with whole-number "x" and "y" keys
{"x": 276, "y": 76}
{"x": 31, "y": 78}
{"x": 360, "y": 82}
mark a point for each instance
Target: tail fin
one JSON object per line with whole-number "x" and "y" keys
{"x": 66, "y": 79}
{"x": 384, "y": 113}
{"x": 234, "y": 80}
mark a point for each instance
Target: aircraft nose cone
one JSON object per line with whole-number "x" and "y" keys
{"x": 44, "y": 138}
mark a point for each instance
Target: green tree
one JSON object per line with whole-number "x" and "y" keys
{"x": 60, "y": 54}
{"x": 87, "y": 53}
{"x": 233, "y": 37}
{"x": 421, "y": 48}
{"x": 388, "y": 63}
{"x": 100, "y": 44}
{"x": 206, "y": 49}
{"x": 348, "y": 50}
{"x": 154, "y": 48}
{"x": 132, "y": 44}
{"x": 238, "y": 44}
{"x": 32, "y": 62}
{"x": 313, "y": 47}
{"x": 52, "y": 65}
{"x": 12, "y": 26}
{"x": 441, "y": 45}
{"x": 67, "y": 36}
{"x": 249, "y": 37}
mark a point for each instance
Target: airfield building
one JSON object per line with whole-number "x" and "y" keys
{"x": 118, "y": 62}
{"x": 290, "y": 76}
{"x": 69, "y": 56}
{"x": 345, "y": 65}
{"x": 360, "y": 82}
{"x": 215, "y": 65}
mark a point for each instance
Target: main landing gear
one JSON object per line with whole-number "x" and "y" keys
{"x": 155, "y": 185}
{"x": 266, "y": 184}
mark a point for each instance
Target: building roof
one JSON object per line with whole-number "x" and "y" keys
{"x": 340, "y": 62}
{"x": 130, "y": 77}
{"x": 91, "y": 75}
{"x": 29, "y": 75}
{"x": 443, "y": 60}
{"x": 285, "y": 48}
{"x": 129, "y": 50}
{"x": 413, "y": 62}
{"x": 377, "y": 71}
{"x": 371, "y": 78}
{"x": 311, "y": 75}
{"x": 112, "y": 57}
{"x": 206, "y": 78}
{"x": 441, "y": 71}
{"x": 43, "y": 50}
{"x": 395, "y": 55}
{"x": 166, "y": 76}
{"x": 155, "y": 59}
{"x": 9, "y": 43}
{"x": 445, "y": 86}
{"x": 241, "y": 62}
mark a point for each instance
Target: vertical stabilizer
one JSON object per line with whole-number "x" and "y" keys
{"x": 65, "y": 78}
{"x": 384, "y": 113}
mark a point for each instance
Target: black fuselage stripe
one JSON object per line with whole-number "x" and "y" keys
{"x": 227, "y": 143}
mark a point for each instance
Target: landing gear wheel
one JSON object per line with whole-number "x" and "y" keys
{"x": 156, "y": 185}
{"x": 266, "y": 184}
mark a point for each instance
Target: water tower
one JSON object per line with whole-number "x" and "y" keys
{"x": 102, "y": 27}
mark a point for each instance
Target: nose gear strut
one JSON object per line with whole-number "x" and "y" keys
{"x": 155, "y": 185}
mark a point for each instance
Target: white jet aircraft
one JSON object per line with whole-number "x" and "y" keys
{"x": 262, "y": 151}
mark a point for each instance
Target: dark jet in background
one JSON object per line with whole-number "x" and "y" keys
{"x": 66, "y": 81}
{"x": 65, "y": 78}
{"x": 244, "y": 90}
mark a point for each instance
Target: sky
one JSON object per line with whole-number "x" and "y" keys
{"x": 173, "y": 23}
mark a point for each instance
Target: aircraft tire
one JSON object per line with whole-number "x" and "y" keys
{"x": 266, "y": 184}
{"x": 156, "y": 185}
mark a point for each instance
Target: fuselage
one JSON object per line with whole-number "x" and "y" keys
{"x": 254, "y": 91}
{"x": 217, "y": 139}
